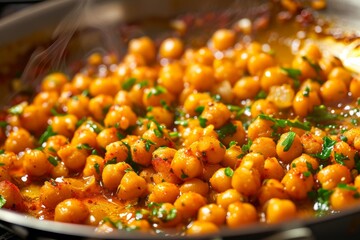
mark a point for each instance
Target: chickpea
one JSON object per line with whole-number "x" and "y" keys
{"x": 60, "y": 170}
{"x": 260, "y": 128}
{"x": 47, "y": 100}
{"x": 341, "y": 74}
{"x": 263, "y": 106}
{"x": 195, "y": 100}
{"x": 304, "y": 102}
{"x": 73, "y": 158}
{"x": 331, "y": 175}
{"x": 64, "y": 125}
{"x": 253, "y": 160}
{"x": 120, "y": 116}
{"x": 305, "y": 161}
{"x": 246, "y": 87}
{"x": 81, "y": 81}
{"x": 208, "y": 149}
{"x": 223, "y": 39}
{"x": 273, "y": 169}
{"x": 4, "y": 174}
{"x": 164, "y": 192}
{"x": 171, "y": 77}
{"x": 312, "y": 144}
{"x": 220, "y": 180}
{"x": 34, "y": 118}
{"x": 71, "y": 211}
{"x": 225, "y": 70}
{"x": 212, "y": 213}
{"x": 122, "y": 98}
{"x": 333, "y": 90}
{"x": 298, "y": 182}
{"x": 54, "y": 143}
{"x": 307, "y": 70}
{"x": 113, "y": 173}
{"x": 216, "y": 113}
{"x": 157, "y": 96}
{"x": 161, "y": 115}
{"x": 273, "y": 76}
{"x": 191, "y": 135}
{"x": 201, "y": 77}
{"x": 54, "y": 82}
{"x": 238, "y": 136}
{"x": 209, "y": 170}
{"x": 84, "y": 136}
{"x": 231, "y": 156}
{"x": 189, "y": 203}
{"x": 280, "y": 210}
{"x": 11, "y": 193}
{"x": 240, "y": 214}
{"x": 94, "y": 166}
{"x": 186, "y": 165}
{"x": 271, "y": 188}
{"x": 311, "y": 51}
{"x": 195, "y": 185}
{"x": 99, "y": 105}
{"x": 35, "y": 163}
{"x": 289, "y": 147}
{"x": 202, "y": 227}
{"x": 342, "y": 199}
{"x": 161, "y": 162}
{"x": 131, "y": 186}
{"x": 342, "y": 153}
{"x": 204, "y": 56}
{"x": 143, "y": 46}
{"x": 104, "y": 86}
{"x": 159, "y": 138}
{"x": 108, "y": 136}
{"x": 227, "y": 197}
{"x": 51, "y": 194}
{"x": 246, "y": 181}
{"x": 171, "y": 48}
{"x": 259, "y": 62}
{"x": 355, "y": 87}
{"x": 351, "y": 136}
{"x": 19, "y": 140}
{"x": 265, "y": 146}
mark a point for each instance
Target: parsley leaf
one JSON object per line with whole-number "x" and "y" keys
{"x": 45, "y": 136}
{"x": 322, "y": 201}
{"x": 53, "y": 160}
{"x": 327, "y": 147}
{"x": 226, "y": 130}
{"x": 148, "y": 144}
{"x": 17, "y": 109}
{"x": 3, "y": 124}
{"x": 293, "y": 74}
{"x": 97, "y": 168}
{"x": 2, "y": 201}
{"x": 339, "y": 158}
{"x": 320, "y": 114}
{"x": 306, "y": 91}
{"x": 199, "y": 109}
{"x": 155, "y": 91}
{"x": 315, "y": 66}
{"x": 128, "y": 84}
{"x": 284, "y": 122}
{"x": 229, "y": 172}
{"x": 202, "y": 121}
{"x": 184, "y": 123}
{"x": 129, "y": 159}
{"x": 288, "y": 141}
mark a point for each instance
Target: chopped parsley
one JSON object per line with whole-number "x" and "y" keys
{"x": 229, "y": 172}
{"x": 327, "y": 147}
{"x": 315, "y": 66}
{"x": 148, "y": 144}
{"x": 2, "y": 164}
{"x": 174, "y": 134}
{"x": 306, "y": 91}
{"x": 307, "y": 174}
{"x": 245, "y": 148}
{"x": 349, "y": 188}
{"x": 322, "y": 197}
{"x": 202, "y": 121}
{"x": 94, "y": 127}
{"x": 46, "y": 135}
{"x": 357, "y": 161}
{"x": 80, "y": 122}
{"x": 129, "y": 159}
{"x": 54, "y": 112}
{"x": 53, "y": 160}
{"x": 111, "y": 161}
{"x": 260, "y": 95}
{"x": 165, "y": 105}
{"x": 84, "y": 146}
{"x": 226, "y": 130}
{"x": 97, "y": 168}
{"x": 340, "y": 158}
{"x": 284, "y": 122}
{"x": 232, "y": 143}
{"x": 155, "y": 91}
{"x": 17, "y": 109}
{"x": 128, "y": 84}
{"x": 3, "y": 124}
{"x": 183, "y": 175}
{"x": 2, "y": 151}
{"x": 184, "y": 123}
{"x": 288, "y": 141}
{"x": 320, "y": 114}
{"x": 199, "y": 109}
{"x": 293, "y": 74}
{"x": 2, "y": 201}
{"x": 238, "y": 110}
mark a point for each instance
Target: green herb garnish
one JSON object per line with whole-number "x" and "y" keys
{"x": 46, "y": 135}
{"x": 128, "y": 84}
{"x": 229, "y": 172}
{"x": 53, "y": 160}
{"x": 227, "y": 130}
{"x": 287, "y": 143}
{"x": 155, "y": 91}
{"x": 199, "y": 109}
{"x": 202, "y": 121}
{"x": 340, "y": 158}
{"x": 293, "y": 74}
{"x": 2, "y": 201}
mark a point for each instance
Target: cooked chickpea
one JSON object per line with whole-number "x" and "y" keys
{"x": 18, "y": 141}
{"x": 47, "y": 100}
{"x": 253, "y": 160}
{"x": 208, "y": 149}
{"x": 331, "y": 175}
{"x": 307, "y": 161}
{"x": 195, "y": 185}
{"x": 99, "y": 105}
{"x": 312, "y": 144}
{"x": 204, "y": 56}
{"x": 161, "y": 115}
{"x": 226, "y": 70}
{"x": 73, "y": 158}
{"x": 259, "y": 62}
{"x": 36, "y": 163}
{"x": 64, "y": 125}
{"x": 280, "y": 210}
{"x": 221, "y": 179}
{"x": 240, "y": 214}
{"x": 202, "y": 227}
{"x": 304, "y": 65}
{"x": 342, "y": 199}
{"x": 227, "y": 197}
{"x": 194, "y": 100}
{"x": 341, "y": 74}
{"x": 263, "y": 106}
{"x": 265, "y": 146}
{"x": 223, "y": 39}
{"x": 186, "y": 165}
{"x": 164, "y": 192}
{"x": 11, "y": 193}
{"x": 201, "y": 77}
{"x": 171, "y": 48}
{"x": 108, "y": 136}
{"x": 131, "y": 186}
{"x": 271, "y": 188}
{"x": 273, "y": 76}
{"x": 120, "y": 116}
{"x": 143, "y": 46}
{"x": 333, "y": 90}
{"x": 113, "y": 173}
{"x": 216, "y": 114}
{"x": 34, "y": 118}
{"x": 157, "y": 96}
{"x": 94, "y": 166}
{"x": 54, "y": 82}
{"x": 342, "y": 153}
{"x": 171, "y": 77}
{"x": 84, "y": 136}
{"x": 289, "y": 147}
{"x": 246, "y": 87}
{"x": 355, "y": 87}
{"x": 189, "y": 203}
{"x": 212, "y": 213}
{"x": 298, "y": 182}
{"x": 117, "y": 150}
{"x": 273, "y": 169}
{"x": 304, "y": 102}
{"x": 52, "y": 193}
{"x": 71, "y": 211}
{"x": 232, "y": 156}
{"x": 246, "y": 181}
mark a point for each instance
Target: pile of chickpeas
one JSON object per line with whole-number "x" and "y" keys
{"x": 173, "y": 137}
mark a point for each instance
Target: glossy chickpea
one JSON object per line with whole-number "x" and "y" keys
{"x": 273, "y": 169}
{"x": 171, "y": 48}
{"x": 209, "y": 170}
{"x": 35, "y": 163}
{"x": 263, "y": 106}
{"x": 51, "y": 194}
{"x": 273, "y": 76}
{"x": 161, "y": 115}
{"x": 122, "y": 98}
{"x": 34, "y": 118}
{"x": 271, "y": 188}
{"x": 253, "y": 161}
{"x": 208, "y": 149}
{"x": 99, "y": 105}
{"x": 202, "y": 227}
{"x": 195, "y": 185}
{"x": 54, "y": 82}
{"x": 216, "y": 113}
{"x": 73, "y": 158}
{"x": 226, "y": 70}
{"x": 227, "y": 197}
{"x": 142, "y": 225}
{"x": 157, "y": 96}
{"x": 190, "y": 135}
{"x": 307, "y": 70}
{"x": 355, "y": 87}
{"x": 104, "y": 86}
{"x": 113, "y": 173}
{"x": 161, "y": 162}
{"x": 78, "y": 106}
{"x": 331, "y": 175}
{"x": 311, "y": 51}
{"x": 131, "y": 186}
{"x": 289, "y": 147}
{"x": 47, "y": 100}
{"x": 18, "y": 140}
{"x": 141, "y": 151}
{"x": 81, "y": 81}
{"x": 144, "y": 72}
{"x": 171, "y": 77}
{"x": 60, "y": 170}
{"x": 194, "y": 100}
{"x": 11, "y": 193}
{"x": 201, "y": 77}
{"x": 298, "y": 182}
{"x": 212, "y": 213}
{"x": 223, "y": 39}
{"x": 344, "y": 154}
{"x": 4, "y": 174}
{"x": 341, "y": 74}
{"x": 246, "y": 181}
{"x": 238, "y": 136}
{"x": 351, "y": 135}
{"x": 221, "y": 179}
{"x": 265, "y": 146}
{"x": 240, "y": 214}
{"x": 342, "y": 198}
{"x": 64, "y": 125}
{"x": 312, "y": 144}
{"x": 164, "y": 192}
{"x": 189, "y": 203}
{"x": 280, "y": 210}
{"x": 282, "y": 96}
{"x": 231, "y": 156}
{"x": 71, "y": 211}
{"x": 260, "y": 128}
{"x": 108, "y": 136}
{"x": 116, "y": 150}
{"x": 307, "y": 161}
{"x": 333, "y": 91}
{"x": 259, "y": 62}
{"x": 84, "y": 136}
{"x": 134, "y": 60}
{"x": 204, "y": 56}
{"x": 94, "y": 166}
{"x": 120, "y": 116}
{"x": 246, "y": 87}
{"x": 168, "y": 209}
{"x": 143, "y": 46}
{"x": 186, "y": 165}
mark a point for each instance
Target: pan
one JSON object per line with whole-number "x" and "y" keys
{"x": 17, "y": 49}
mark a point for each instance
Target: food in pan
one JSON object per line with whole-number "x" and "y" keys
{"x": 191, "y": 139}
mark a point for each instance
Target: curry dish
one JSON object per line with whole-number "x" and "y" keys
{"x": 191, "y": 139}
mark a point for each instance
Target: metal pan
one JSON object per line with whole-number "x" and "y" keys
{"x": 18, "y": 39}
